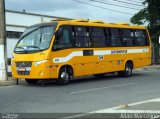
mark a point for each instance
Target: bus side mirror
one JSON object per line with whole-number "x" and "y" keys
{"x": 58, "y": 34}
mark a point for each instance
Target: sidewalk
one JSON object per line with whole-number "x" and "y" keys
{"x": 8, "y": 82}
{"x": 12, "y": 81}
{"x": 152, "y": 67}
{"x": 147, "y": 68}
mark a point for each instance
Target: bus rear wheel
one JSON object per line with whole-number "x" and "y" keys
{"x": 31, "y": 81}
{"x": 65, "y": 75}
{"x": 127, "y": 72}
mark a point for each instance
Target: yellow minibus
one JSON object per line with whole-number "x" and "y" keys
{"x": 63, "y": 49}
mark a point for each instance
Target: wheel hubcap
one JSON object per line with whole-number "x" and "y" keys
{"x": 65, "y": 76}
{"x": 128, "y": 70}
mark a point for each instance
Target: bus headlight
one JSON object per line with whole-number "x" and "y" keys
{"x": 39, "y": 62}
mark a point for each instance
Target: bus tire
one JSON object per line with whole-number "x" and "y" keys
{"x": 127, "y": 72}
{"x": 64, "y": 76}
{"x": 99, "y": 75}
{"x": 31, "y": 81}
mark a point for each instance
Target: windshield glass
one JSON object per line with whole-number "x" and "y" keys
{"x": 35, "y": 39}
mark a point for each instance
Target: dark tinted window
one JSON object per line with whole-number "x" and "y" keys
{"x": 13, "y": 34}
{"x": 115, "y": 37}
{"x": 98, "y": 37}
{"x": 64, "y": 41}
{"x": 81, "y": 36}
{"x": 140, "y": 38}
{"x": 128, "y": 37}
{"x": 108, "y": 42}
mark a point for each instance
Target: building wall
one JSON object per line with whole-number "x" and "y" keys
{"x": 16, "y": 23}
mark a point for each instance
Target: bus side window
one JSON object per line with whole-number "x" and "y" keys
{"x": 64, "y": 41}
{"x": 140, "y": 38}
{"x": 115, "y": 37}
{"x": 108, "y": 42}
{"x": 128, "y": 37}
{"x": 81, "y": 36}
{"x": 98, "y": 37}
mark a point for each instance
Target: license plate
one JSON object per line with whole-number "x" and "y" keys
{"x": 22, "y": 69}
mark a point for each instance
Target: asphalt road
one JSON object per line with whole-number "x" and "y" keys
{"x": 85, "y": 95}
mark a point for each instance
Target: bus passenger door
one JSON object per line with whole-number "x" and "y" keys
{"x": 61, "y": 49}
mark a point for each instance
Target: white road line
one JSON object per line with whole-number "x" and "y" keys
{"x": 148, "y": 70}
{"x": 151, "y": 71}
{"x": 95, "y": 89}
{"x": 75, "y": 116}
{"x": 128, "y": 111}
{"x": 142, "y": 102}
{"x": 153, "y": 113}
{"x": 115, "y": 109}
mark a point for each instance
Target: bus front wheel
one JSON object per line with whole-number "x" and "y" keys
{"x": 65, "y": 75}
{"x": 127, "y": 72}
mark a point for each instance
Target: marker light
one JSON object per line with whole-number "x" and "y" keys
{"x": 39, "y": 62}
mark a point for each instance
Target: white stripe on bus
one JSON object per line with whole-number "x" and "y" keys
{"x": 99, "y": 52}
{"x": 67, "y": 58}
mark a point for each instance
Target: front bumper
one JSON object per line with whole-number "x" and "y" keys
{"x": 30, "y": 70}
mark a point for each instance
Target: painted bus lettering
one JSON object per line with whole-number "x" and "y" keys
{"x": 118, "y": 51}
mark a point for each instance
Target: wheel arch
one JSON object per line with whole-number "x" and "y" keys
{"x": 68, "y": 66}
{"x": 130, "y": 62}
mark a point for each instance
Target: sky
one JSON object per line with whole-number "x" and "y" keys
{"x": 87, "y": 9}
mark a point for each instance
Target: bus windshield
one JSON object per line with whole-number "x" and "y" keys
{"x": 35, "y": 39}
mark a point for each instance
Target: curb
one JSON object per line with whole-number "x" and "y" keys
{"x": 151, "y": 67}
{"x": 10, "y": 82}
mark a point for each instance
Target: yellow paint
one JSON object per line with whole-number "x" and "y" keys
{"x": 82, "y": 65}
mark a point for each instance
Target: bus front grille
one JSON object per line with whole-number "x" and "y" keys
{"x": 23, "y": 68}
{"x": 23, "y": 64}
{"x": 23, "y": 73}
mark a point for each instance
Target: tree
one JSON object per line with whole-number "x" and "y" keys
{"x": 150, "y": 15}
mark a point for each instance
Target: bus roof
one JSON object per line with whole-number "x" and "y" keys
{"x": 44, "y": 24}
{"x": 87, "y": 22}
{"x": 98, "y": 23}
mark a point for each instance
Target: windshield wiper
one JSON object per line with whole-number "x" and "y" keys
{"x": 20, "y": 48}
{"x": 33, "y": 46}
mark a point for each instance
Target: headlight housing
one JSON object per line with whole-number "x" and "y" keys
{"x": 40, "y": 62}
